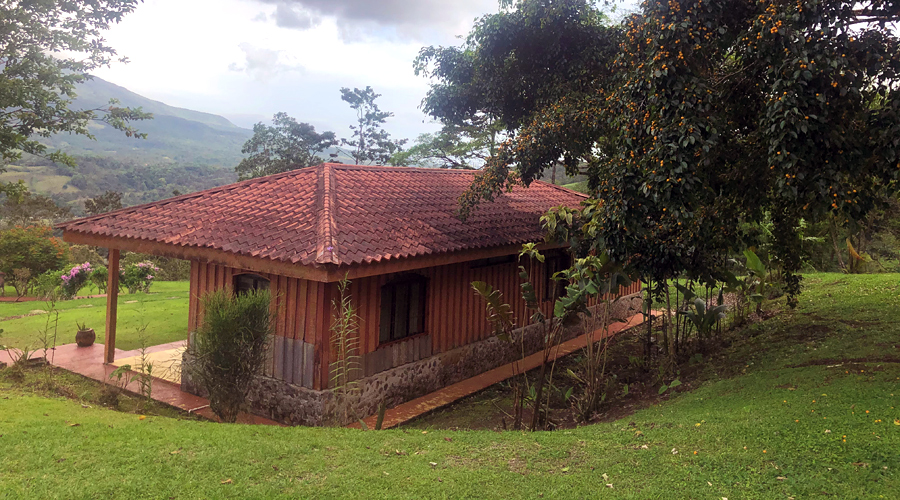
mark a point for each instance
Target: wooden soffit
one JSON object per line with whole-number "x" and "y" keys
{"x": 327, "y": 273}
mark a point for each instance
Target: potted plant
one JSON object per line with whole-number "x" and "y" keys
{"x": 85, "y": 336}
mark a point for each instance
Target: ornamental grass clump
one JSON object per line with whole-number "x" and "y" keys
{"x": 74, "y": 279}
{"x": 230, "y": 348}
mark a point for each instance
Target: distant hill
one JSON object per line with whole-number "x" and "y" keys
{"x": 175, "y": 135}
{"x": 185, "y": 151}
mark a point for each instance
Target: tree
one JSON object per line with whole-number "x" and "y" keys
{"x": 516, "y": 62}
{"x": 22, "y": 207}
{"x": 33, "y": 248}
{"x": 46, "y": 48}
{"x": 457, "y": 147}
{"x": 286, "y": 145}
{"x": 691, "y": 119}
{"x": 106, "y": 202}
{"x": 369, "y": 142}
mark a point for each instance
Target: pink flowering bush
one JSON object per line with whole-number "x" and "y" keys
{"x": 75, "y": 278}
{"x": 138, "y": 277}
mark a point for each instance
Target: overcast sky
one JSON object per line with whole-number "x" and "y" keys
{"x": 248, "y": 59}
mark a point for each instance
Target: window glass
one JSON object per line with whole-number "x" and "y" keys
{"x": 243, "y": 283}
{"x": 402, "y": 308}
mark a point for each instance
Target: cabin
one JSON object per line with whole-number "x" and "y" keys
{"x": 392, "y": 231}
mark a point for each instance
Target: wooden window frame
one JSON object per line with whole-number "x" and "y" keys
{"x": 397, "y": 296}
{"x": 257, "y": 280}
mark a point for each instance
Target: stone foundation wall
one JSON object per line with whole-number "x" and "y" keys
{"x": 295, "y": 405}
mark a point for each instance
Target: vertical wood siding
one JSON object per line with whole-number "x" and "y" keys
{"x": 454, "y": 315}
{"x": 297, "y": 353}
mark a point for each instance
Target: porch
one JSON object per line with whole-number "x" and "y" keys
{"x": 89, "y": 362}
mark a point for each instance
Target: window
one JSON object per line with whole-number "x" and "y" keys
{"x": 554, "y": 263}
{"x": 493, "y": 261}
{"x": 402, "y": 308}
{"x": 243, "y": 283}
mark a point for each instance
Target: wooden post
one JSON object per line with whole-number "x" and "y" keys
{"x": 112, "y": 303}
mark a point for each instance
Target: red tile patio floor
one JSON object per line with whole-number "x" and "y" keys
{"x": 442, "y": 397}
{"x": 88, "y": 362}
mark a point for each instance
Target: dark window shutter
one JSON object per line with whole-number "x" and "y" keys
{"x": 415, "y": 307}
{"x": 387, "y": 307}
{"x": 556, "y": 262}
{"x": 243, "y": 283}
{"x": 401, "y": 311}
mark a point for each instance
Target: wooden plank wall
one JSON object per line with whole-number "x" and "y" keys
{"x": 455, "y": 315}
{"x": 301, "y": 325}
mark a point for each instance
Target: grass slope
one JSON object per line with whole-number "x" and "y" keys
{"x": 785, "y": 413}
{"x": 581, "y": 187}
{"x": 164, "y": 310}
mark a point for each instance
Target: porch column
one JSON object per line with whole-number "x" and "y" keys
{"x": 112, "y": 303}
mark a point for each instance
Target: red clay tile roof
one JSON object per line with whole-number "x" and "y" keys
{"x": 336, "y": 214}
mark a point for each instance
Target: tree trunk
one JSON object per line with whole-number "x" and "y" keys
{"x": 837, "y": 249}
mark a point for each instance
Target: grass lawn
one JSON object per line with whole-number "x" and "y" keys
{"x": 164, "y": 310}
{"x": 801, "y": 405}
{"x": 581, "y": 187}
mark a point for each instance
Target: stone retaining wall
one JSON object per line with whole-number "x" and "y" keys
{"x": 295, "y": 405}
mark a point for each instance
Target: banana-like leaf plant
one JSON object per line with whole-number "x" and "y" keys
{"x": 704, "y": 318}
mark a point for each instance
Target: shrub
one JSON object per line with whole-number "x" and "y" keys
{"x": 21, "y": 281}
{"x": 230, "y": 348}
{"x": 84, "y": 253}
{"x": 48, "y": 285}
{"x": 169, "y": 269}
{"x": 138, "y": 277}
{"x": 75, "y": 278}
{"x": 33, "y": 248}
{"x": 99, "y": 278}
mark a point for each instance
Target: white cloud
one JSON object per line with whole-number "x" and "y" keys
{"x": 261, "y": 63}
{"x": 294, "y": 17}
{"x": 361, "y": 19}
{"x": 229, "y": 58}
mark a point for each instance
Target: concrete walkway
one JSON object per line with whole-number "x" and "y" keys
{"x": 165, "y": 359}
{"x": 88, "y": 362}
{"x": 443, "y": 397}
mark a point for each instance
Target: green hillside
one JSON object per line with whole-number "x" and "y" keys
{"x": 175, "y": 135}
{"x": 802, "y": 405}
{"x": 97, "y": 92}
{"x": 137, "y": 182}
{"x": 185, "y": 151}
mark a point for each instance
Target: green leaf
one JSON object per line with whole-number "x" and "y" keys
{"x": 754, "y": 263}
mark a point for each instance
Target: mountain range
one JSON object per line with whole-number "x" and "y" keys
{"x": 185, "y": 151}
{"x": 174, "y": 135}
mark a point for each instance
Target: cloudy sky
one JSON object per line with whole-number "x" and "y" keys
{"x": 248, "y": 59}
